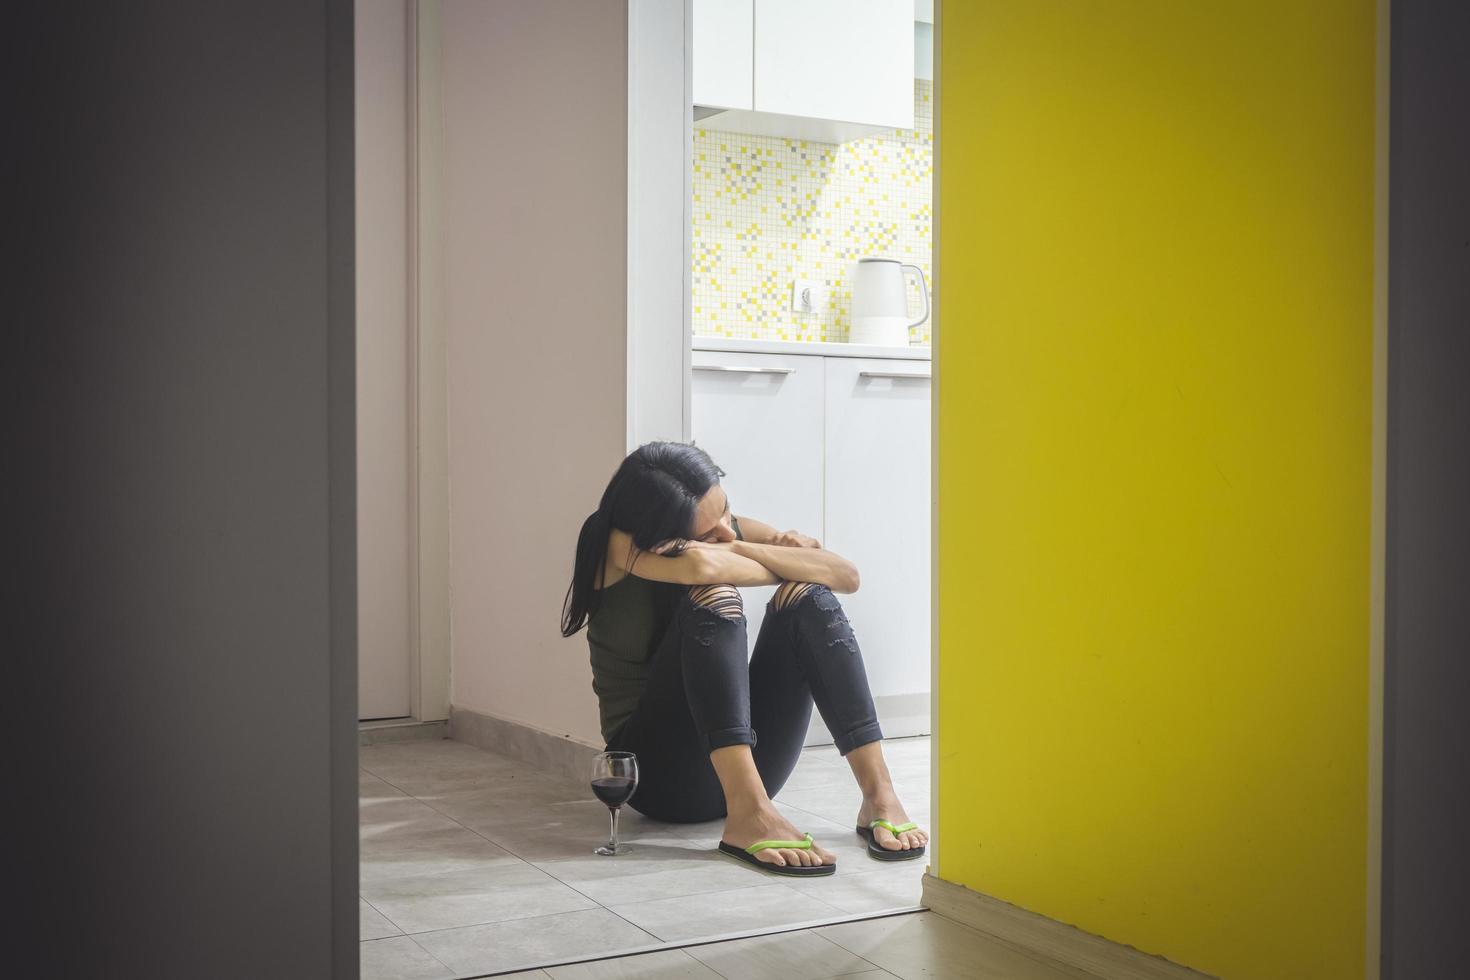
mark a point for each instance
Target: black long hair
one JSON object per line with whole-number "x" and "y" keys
{"x": 652, "y": 497}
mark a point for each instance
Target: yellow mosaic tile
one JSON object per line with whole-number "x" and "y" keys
{"x": 772, "y": 210}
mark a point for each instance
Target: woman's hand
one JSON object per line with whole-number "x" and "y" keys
{"x": 795, "y": 539}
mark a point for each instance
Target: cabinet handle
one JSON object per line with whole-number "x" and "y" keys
{"x": 894, "y": 374}
{"x": 744, "y": 370}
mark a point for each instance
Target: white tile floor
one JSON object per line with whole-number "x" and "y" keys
{"x": 474, "y": 863}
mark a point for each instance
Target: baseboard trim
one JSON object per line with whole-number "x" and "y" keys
{"x": 1028, "y": 932}
{"x": 399, "y": 730}
{"x": 559, "y": 755}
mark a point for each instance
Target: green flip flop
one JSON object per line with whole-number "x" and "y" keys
{"x": 747, "y": 854}
{"x": 877, "y": 850}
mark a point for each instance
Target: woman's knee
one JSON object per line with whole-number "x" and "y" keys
{"x": 722, "y": 600}
{"x": 790, "y": 593}
{"x": 824, "y": 611}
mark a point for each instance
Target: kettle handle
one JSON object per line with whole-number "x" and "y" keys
{"x": 923, "y": 289}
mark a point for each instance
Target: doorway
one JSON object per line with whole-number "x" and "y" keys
{"x": 476, "y": 851}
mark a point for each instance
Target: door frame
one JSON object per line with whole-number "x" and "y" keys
{"x": 428, "y": 370}
{"x": 936, "y": 335}
{"x": 660, "y": 138}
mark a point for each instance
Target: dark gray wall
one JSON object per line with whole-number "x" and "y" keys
{"x": 180, "y": 559}
{"x": 1427, "y": 652}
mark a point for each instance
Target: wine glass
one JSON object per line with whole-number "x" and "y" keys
{"x": 614, "y": 778}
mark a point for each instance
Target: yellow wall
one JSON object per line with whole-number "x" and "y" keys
{"x": 1155, "y": 371}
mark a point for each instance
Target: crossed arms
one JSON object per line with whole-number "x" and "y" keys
{"x": 764, "y": 558}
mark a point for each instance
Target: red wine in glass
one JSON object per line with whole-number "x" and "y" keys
{"x": 614, "y": 778}
{"x": 613, "y": 790}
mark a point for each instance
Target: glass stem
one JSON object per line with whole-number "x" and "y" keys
{"x": 612, "y": 841}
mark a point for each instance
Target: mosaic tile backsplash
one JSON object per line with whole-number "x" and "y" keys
{"x": 769, "y": 210}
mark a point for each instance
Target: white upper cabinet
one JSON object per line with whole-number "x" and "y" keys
{"x": 848, "y": 60}
{"x": 827, "y": 70}
{"x": 723, "y": 42}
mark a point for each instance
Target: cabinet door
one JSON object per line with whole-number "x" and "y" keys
{"x": 851, "y": 60}
{"x": 759, "y": 416}
{"x": 877, "y": 514}
{"x": 723, "y": 39}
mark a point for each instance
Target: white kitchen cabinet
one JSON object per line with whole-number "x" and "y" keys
{"x": 824, "y": 70}
{"x": 759, "y": 416}
{"x": 876, "y": 513}
{"x": 837, "y": 448}
{"x": 851, "y": 60}
{"x": 723, "y": 44}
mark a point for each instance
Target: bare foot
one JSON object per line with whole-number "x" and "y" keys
{"x": 766, "y": 823}
{"x": 885, "y": 806}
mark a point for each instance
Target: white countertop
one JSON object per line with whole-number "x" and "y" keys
{"x": 913, "y": 352}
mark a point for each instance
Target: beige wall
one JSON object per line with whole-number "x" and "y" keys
{"x": 534, "y": 197}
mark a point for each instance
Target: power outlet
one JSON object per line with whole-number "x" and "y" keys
{"x": 807, "y": 296}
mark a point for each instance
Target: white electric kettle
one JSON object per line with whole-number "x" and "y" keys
{"x": 880, "y": 308}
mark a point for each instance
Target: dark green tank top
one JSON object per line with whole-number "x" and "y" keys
{"x": 623, "y": 635}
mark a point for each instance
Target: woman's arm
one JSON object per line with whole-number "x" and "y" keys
{"x": 755, "y": 531}
{"x": 800, "y": 564}
{"x": 698, "y": 565}
{"x": 730, "y": 568}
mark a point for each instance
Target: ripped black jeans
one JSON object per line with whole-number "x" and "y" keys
{"x": 701, "y": 695}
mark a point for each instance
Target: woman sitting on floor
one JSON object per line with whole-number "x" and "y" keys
{"x": 718, "y": 729}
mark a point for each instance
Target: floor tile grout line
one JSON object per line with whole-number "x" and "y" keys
{"x": 394, "y": 785}
{"x": 635, "y": 925}
{"x": 768, "y": 884}
{"x": 529, "y": 918}
{"x": 871, "y": 965}
{"x": 836, "y": 911}
{"x": 811, "y": 925}
{"x": 363, "y": 898}
{"x": 712, "y": 891}
{"x": 417, "y": 946}
{"x": 472, "y": 830}
{"x": 518, "y": 918}
{"x": 850, "y": 952}
{"x": 450, "y": 969}
{"x": 455, "y": 871}
{"x": 673, "y": 944}
{"x": 636, "y": 951}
